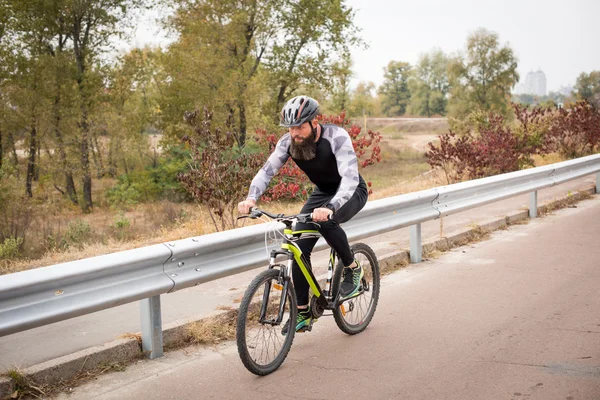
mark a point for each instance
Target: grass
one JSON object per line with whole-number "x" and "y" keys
{"x": 569, "y": 201}
{"x": 413, "y": 126}
{"x": 214, "y": 330}
{"x": 25, "y": 387}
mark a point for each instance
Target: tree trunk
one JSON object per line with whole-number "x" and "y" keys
{"x": 112, "y": 162}
{"x": 31, "y": 159}
{"x": 242, "y": 135}
{"x": 1, "y": 149}
{"x": 98, "y": 157}
{"x": 280, "y": 103}
{"x": 36, "y": 170}
{"x": 11, "y": 141}
{"x": 86, "y": 179}
{"x": 62, "y": 153}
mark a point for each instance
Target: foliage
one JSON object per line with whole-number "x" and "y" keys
{"x": 78, "y": 233}
{"x": 121, "y": 226}
{"x": 362, "y": 100}
{"x": 483, "y": 77}
{"x": 219, "y": 174}
{"x": 394, "y": 89}
{"x": 491, "y": 148}
{"x": 430, "y": 85}
{"x": 575, "y": 131}
{"x": 155, "y": 182}
{"x": 291, "y": 183}
{"x": 486, "y": 144}
{"x": 587, "y": 88}
{"x": 247, "y": 58}
{"x": 16, "y": 210}
{"x": 11, "y": 248}
{"x": 342, "y": 73}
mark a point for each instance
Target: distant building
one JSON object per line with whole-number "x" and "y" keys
{"x": 565, "y": 90}
{"x": 535, "y": 83}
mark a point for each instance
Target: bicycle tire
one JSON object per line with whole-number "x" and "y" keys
{"x": 369, "y": 262}
{"x": 251, "y": 303}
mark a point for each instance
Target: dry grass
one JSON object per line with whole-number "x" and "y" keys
{"x": 212, "y": 331}
{"x": 569, "y": 201}
{"x": 25, "y": 387}
{"x": 407, "y": 125}
{"x": 547, "y": 159}
{"x": 136, "y": 336}
{"x": 388, "y": 269}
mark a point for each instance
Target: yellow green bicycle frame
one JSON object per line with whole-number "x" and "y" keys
{"x": 298, "y": 257}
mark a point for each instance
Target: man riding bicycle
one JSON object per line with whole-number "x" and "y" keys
{"x": 326, "y": 155}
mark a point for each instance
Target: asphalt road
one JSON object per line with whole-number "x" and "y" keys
{"x": 515, "y": 317}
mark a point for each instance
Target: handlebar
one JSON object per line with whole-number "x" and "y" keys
{"x": 256, "y": 212}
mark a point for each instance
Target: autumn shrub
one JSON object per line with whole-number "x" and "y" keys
{"x": 575, "y": 131}
{"x": 491, "y": 146}
{"x": 219, "y": 173}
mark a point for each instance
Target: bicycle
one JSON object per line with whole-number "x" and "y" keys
{"x": 270, "y": 299}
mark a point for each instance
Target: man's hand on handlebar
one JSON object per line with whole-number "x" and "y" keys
{"x": 245, "y": 206}
{"x": 321, "y": 214}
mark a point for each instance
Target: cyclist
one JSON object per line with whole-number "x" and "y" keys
{"x": 326, "y": 155}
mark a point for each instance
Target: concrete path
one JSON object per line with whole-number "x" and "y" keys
{"x": 45, "y": 343}
{"x": 515, "y": 317}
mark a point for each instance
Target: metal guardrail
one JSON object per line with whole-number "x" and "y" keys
{"x": 42, "y": 296}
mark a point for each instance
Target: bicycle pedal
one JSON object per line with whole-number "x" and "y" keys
{"x": 306, "y": 328}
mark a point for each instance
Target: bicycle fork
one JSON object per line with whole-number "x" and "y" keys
{"x": 282, "y": 285}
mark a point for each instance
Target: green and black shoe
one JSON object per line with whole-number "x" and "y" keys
{"x": 351, "y": 280}
{"x": 304, "y": 321}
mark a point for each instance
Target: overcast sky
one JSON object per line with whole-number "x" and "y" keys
{"x": 562, "y": 38}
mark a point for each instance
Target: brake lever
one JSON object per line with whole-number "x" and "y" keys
{"x": 247, "y": 216}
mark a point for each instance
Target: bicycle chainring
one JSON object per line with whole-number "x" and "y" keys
{"x": 316, "y": 309}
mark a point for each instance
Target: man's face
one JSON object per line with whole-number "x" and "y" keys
{"x": 303, "y": 146}
{"x": 301, "y": 133}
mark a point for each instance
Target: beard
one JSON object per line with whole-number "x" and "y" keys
{"x": 305, "y": 150}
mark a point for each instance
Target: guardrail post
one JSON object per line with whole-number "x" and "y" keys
{"x": 597, "y": 182}
{"x": 533, "y": 204}
{"x": 416, "y": 251}
{"x": 152, "y": 341}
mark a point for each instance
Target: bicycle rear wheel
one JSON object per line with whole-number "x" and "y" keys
{"x": 353, "y": 315}
{"x": 261, "y": 345}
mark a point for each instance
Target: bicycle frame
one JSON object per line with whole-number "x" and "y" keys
{"x": 293, "y": 253}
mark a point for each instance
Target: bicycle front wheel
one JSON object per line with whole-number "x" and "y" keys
{"x": 261, "y": 344}
{"x": 353, "y": 315}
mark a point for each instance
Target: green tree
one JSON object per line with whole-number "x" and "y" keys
{"x": 43, "y": 29}
{"x": 342, "y": 73}
{"x": 429, "y": 87}
{"x": 587, "y": 88}
{"x": 394, "y": 89}
{"x": 314, "y": 34}
{"x": 363, "y": 101}
{"x": 216, "y": 60}
{"x": 482, "y": 78}
{"x": 91, "y": 24}
{"x": 246, "y": 57}
{"x": 130, "y": 110}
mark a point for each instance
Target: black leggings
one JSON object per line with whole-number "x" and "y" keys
{"x": 331, "y": 231}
